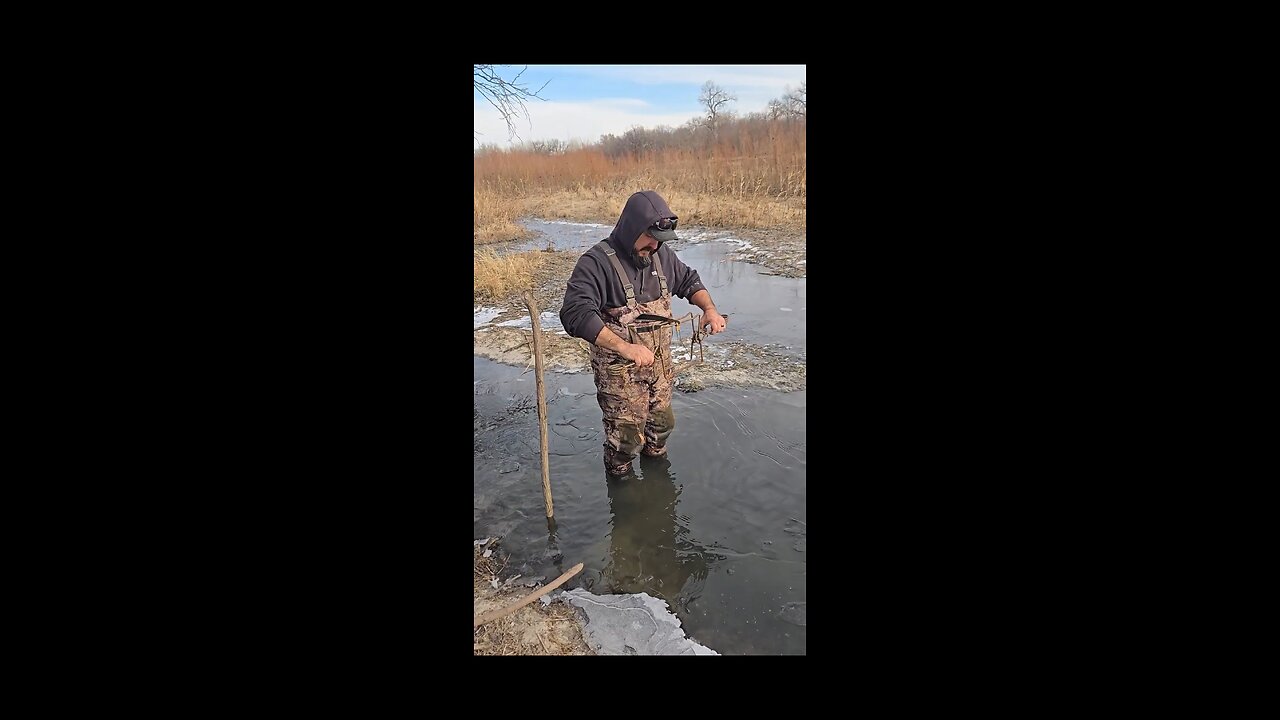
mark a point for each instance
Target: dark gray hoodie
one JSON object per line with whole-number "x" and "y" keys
{"x": 594, "y": 284}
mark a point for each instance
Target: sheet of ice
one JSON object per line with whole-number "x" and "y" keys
{"x": 638, "y": 624}
{"x": 571, "y": 222}
{"x": 548, "y": 321}
{"x": 484, "y": 315}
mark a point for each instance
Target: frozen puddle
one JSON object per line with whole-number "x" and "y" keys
{"x": 638, "y": 624}
{"x": 484, "y": 314}
{"x": 547, "y": 320}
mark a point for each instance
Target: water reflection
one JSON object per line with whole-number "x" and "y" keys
{"x": 650, "y": 548}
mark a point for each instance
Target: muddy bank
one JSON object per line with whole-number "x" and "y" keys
{"x": 731, "y": 364}
{"x": 736, "y": 364}
{"x": 503, "y": 331}
{"x": 512, "y": 346}
{"x": 552, "y": 628}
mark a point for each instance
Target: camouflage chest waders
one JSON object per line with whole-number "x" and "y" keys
{"x": 636, "y": 401}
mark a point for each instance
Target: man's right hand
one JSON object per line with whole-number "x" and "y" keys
{"x": 638, "y": 354}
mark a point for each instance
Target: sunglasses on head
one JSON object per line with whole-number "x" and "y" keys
{"x": 665, "y": 224}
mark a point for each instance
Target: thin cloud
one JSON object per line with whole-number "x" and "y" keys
{"x": 585, "y": 121}
{"x": 622, "y": 102}
{"x": 753, "y": 85}
{"x": 760, "y": 76}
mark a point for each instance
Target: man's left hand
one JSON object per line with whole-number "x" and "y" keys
{"x": 715, "y": 320}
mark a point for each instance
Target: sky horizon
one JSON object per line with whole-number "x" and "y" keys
{"x": 584, "y": 102}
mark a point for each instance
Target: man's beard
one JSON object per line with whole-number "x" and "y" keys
{"x": 643, "y": 261}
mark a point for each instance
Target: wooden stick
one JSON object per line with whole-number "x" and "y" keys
{"x": 495, "y": 614}
{"x": 542, "y": 401}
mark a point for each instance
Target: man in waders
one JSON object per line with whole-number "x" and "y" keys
{"x": 615, "y": 290}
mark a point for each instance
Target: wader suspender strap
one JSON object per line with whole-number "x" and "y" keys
{"x": 622, "y": 275}
{"x": 662, "y": 279}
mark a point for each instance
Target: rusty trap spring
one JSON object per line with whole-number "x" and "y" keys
{"x": 696, "y": 334}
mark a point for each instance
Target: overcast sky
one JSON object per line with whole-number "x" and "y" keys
{"x": 584, "y": 102}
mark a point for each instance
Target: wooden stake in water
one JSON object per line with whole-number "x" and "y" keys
{"x": 542, "y": 400}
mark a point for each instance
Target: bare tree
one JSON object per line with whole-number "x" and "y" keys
{"x": 714, "y": 97}
{"x": 777, "y": 110}
{"x": 795, "y": 101}
{"x": 638, "y": 140}
{"x": 506, "y": 96}
{"x": 554, "y": 146}
{"x": 791, "y": 106}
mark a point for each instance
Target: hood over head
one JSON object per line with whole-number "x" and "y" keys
{"x": 642, "y": 210}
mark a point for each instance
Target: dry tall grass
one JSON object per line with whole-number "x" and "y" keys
{"x": 749, "y": 179}
{"x": 497, "y": 277}
{"x": 495, "y": 217}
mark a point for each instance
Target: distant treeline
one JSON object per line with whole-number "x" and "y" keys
{"x": 736, "y": 135}
{"x": 755, "y": 154}
{"x": 718, "y": 129}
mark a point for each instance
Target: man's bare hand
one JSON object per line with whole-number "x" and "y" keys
{"x": 638, "y": 354}
{"x": 715, "y": 320}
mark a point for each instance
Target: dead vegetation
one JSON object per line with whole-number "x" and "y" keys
{"x": 497, "y": 277}
{"x": 694, "y": 208}
{"x": 755, "y": 176}
{"x": 494, "y": 218}
{"x": 535, "y": 629}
